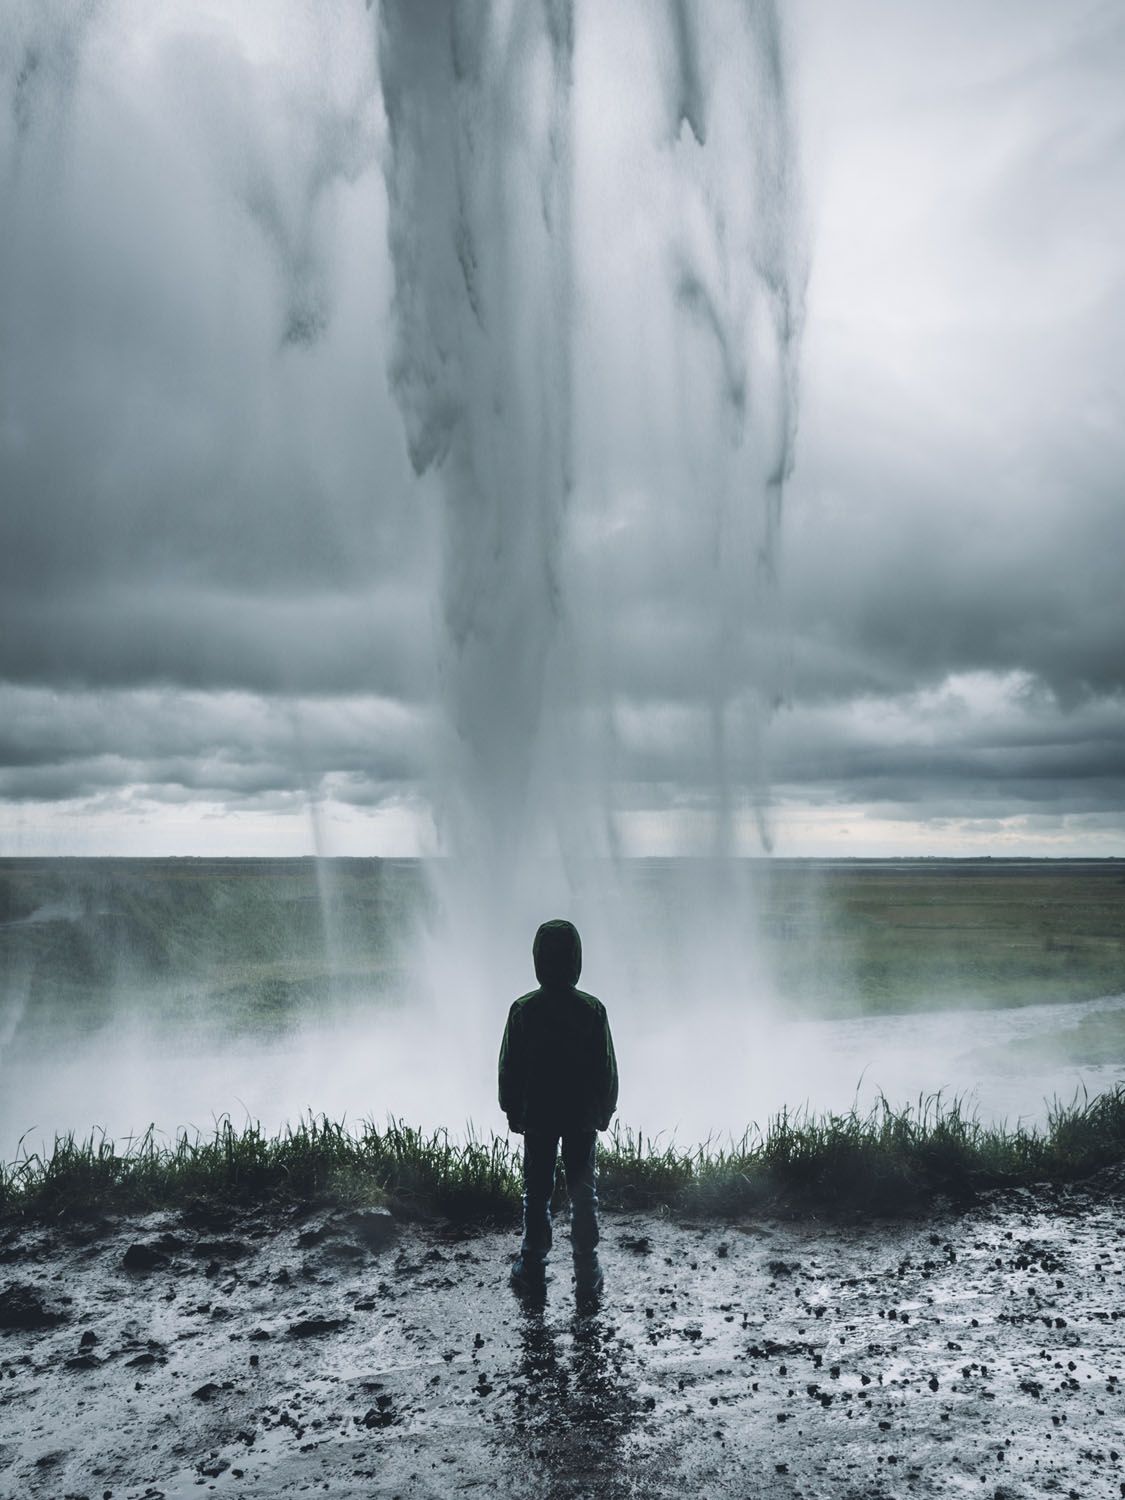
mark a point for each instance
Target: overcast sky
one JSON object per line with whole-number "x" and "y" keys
{"x": 220, "y": 578}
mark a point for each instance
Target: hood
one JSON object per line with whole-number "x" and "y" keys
{"x": 557, "y": 952}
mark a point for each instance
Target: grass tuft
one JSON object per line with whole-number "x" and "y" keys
{"x": 885, "y": 1161}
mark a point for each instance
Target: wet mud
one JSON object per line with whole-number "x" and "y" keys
{"x": 975, "y": 1352}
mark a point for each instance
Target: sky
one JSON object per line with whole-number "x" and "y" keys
{"x": 222, "y": 582}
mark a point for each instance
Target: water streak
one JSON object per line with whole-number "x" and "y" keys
{"x": 477, "y": 97}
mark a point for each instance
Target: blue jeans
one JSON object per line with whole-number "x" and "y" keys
{"x": 579, "y": 1153}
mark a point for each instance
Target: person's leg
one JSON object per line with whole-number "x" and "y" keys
{"x": 540, "y": 1148}
{"x": 580, "y": 1160}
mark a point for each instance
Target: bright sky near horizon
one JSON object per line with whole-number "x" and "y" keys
{"x": 217, "y": 569}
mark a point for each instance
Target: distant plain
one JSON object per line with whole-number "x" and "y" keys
{"x": 191, "y": 987}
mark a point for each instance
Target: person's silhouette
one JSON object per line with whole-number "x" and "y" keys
{"x": 558, "y": 1082}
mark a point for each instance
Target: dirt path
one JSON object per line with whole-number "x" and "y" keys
{"x": 976, "y": 1354}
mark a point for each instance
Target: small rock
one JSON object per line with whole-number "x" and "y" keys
{"x": 640, "y": 1244}
{"x": 205, "y": 1392}
{"x": 84, "y": 1362}
{"x": 309, "y": 1327}
{"x": 373, "y": 1227}
{"x": 140, "y": 1257}
{"x": 382, "y": 1414}
{"x": 22, "y": 1307}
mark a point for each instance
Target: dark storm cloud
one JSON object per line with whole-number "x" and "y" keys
{"x": 980, "y": 580}
{"x": 218, "y": 573}
{"x": 238, "y": 746}
{"x": 1012, "y": 743}
{"x": 1090, "y": 755}
{"x": 203, "y": 638}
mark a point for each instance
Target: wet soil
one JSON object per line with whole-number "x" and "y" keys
{"x": 977, "y": 1352}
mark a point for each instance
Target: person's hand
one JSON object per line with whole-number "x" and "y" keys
{"x": 515, "y": 1126}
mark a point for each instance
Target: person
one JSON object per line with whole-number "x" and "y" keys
{"x": 558, "y": 1082}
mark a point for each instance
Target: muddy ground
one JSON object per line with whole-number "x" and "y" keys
{"x": 966, "y": 1353}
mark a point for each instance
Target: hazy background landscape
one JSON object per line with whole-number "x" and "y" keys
{"x": 171, "y": 991}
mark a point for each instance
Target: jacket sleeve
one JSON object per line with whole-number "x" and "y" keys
{"x": 608, "y": 1100}
{"x": 513, "y": 1070}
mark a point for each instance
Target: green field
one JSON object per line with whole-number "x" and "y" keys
{"x": 245, "y": 943}
{"x": 874, "y": 937}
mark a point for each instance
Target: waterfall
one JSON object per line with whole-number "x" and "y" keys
{"x": 484, "y": 192}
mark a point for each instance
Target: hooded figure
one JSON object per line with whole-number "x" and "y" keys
{"x": 558, "y": 1082}
{"x": 557, "y": 1066}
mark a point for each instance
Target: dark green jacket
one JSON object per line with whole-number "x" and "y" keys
{"x": 558, "y": 1070}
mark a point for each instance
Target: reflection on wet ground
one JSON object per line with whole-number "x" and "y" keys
{"x": 575, "y": 1405}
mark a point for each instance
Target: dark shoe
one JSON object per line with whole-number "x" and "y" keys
{"x": 528, "y": 1277}
{"x": 588, "y": 1278}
